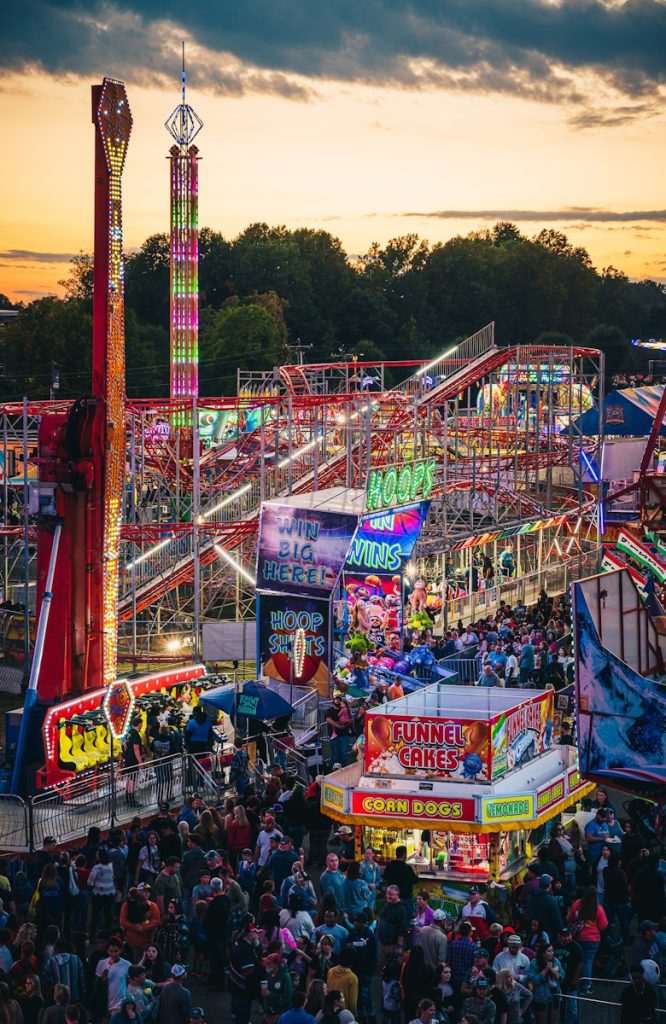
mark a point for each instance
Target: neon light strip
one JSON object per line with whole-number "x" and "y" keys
{"x": 234, "y": 564}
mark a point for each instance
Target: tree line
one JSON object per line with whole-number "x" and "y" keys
{"x": 272, "y": 290}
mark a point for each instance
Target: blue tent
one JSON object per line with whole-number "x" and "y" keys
{"x": 627, "y": 413}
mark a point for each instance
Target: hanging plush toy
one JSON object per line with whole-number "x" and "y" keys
{"x": 419, "y": 596}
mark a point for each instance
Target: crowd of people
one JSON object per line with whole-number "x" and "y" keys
{"x": 116, "y": 929}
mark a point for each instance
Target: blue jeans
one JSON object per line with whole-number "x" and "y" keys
{"x": 365, "y": 1011}
{"x": 340, "y": 750}
{"x": 589, "y": 952}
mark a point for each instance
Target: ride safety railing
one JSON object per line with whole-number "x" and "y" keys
{"x": 110, "y": 797}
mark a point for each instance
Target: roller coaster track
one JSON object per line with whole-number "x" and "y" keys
{"x": 410, "y": 401}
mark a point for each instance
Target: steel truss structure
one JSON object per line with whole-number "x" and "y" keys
{"x": 499, "y": 421}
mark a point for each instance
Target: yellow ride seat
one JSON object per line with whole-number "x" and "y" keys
{"x": 89, "y": 746}
{"x": 83, "y": 761}
{"x": 102, "y": 741}
{"x": 65, "y": 757}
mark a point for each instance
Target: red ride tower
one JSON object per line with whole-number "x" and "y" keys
{"x": 82, "y": 452}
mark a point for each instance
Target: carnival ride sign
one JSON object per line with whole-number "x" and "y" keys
{"x": 384, "y": 543}
{"x": 391, "y": 486}
{"x": 427, "y": 747}
{"x": 283, "y": 617}
{"x": 413, "y": 808}
{"x": 521, "y": 734}
{"x": 302, "y": 550}
{"x": 117, "y": 707}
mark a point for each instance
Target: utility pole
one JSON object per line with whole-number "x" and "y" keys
{"x": 55, "y": 379}
{"x": 299, "y": 347}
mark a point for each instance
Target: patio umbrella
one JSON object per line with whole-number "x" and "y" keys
{"x": 253, "y": 700}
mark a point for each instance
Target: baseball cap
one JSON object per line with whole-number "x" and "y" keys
{"x": 177, "y": 971}
{"x": 143, "y": 887}
{"x": 345, "y": 830}
{"x": 211, "y": 855}
{"x": 439, "y": 915}
{"x": 285, "y": 840}
{"x": 496, "y": 928}
{"x": 481, "y": 983}
{"x": 274, "y": 838}
{"x": 545, "y": 880}
{"x": 246, "y": 850}
{"x": 472, "y": 889}
{"x": 646, "y": 926}
{"x": 197, "y": 1013}
{"x": 514, "y": 940}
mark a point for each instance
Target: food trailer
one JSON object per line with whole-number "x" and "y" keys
{"x": 462, "y": 777}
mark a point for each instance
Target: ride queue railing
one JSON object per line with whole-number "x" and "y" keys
{"x": 108, "y": 797}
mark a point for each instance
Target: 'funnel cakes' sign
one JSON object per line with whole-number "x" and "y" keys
{"x": 427, "y": 747}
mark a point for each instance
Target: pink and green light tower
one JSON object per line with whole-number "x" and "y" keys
{"x": 184, "y": 125}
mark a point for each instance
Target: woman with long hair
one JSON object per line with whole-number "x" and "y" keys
{"x": 239, "y": 834}
{"x": 156, "y": 968}
{"x": 588, "y": 921}
{"x": 518, "y": 998}
{"x": 173, "y": 935}
{"x": 208, "y": 832}
{"x": 416, "y": 978}
{"x": 149, "y": 862}
{"x": 314, "y": 999}
{"x": 30, "y": 1000}
{"x": 544, "y": 978}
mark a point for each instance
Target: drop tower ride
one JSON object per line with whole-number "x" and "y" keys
{"x": 184, "y": 125}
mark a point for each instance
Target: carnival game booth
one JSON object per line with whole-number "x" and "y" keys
{"x": 77, "y": 733}
{"x": 330, "y": 569}
{"x": 460, "y": 776}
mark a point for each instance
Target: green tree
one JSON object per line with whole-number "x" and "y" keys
{"x": 147, "y": 288}
{"x": 79, "y": 281}
{"x": 615, "y": 346}
{"x": 49, "y": 329}
{"x": 239, "y": 334}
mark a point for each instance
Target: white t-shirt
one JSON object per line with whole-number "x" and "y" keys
{"x": 117, "y": 980}
{"x": 478, "y": 910}
{"x": 263, "y": 842}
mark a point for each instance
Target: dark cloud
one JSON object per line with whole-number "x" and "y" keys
{"x": 529, "y": 47}
{"x": 581, "y": 214}
{"x": 31, "y": 256}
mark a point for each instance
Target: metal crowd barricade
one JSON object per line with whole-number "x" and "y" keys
{"x": 109, "y": 798}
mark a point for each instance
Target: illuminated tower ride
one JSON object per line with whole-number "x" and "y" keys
{"x": 184, "y": 125}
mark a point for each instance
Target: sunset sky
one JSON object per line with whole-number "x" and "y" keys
{"x": 368, "y": 118}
